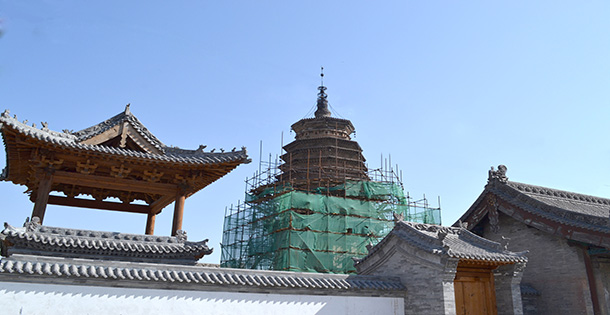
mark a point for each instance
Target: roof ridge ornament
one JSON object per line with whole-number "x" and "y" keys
{"x": 322, "y": 110}
{"x": 499, "y": 175}
{"x": 127, "y": 110}
{"x": 398, "y": 217}
{"x": 33, "y": 224}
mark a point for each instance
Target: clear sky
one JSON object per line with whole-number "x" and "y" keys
{"x": 448, "y": 88}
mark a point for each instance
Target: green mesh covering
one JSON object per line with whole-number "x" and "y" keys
{"x": 284, "y": 229}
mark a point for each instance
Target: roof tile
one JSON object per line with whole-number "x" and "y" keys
{"x": 176, "y": 155}
{"x": 451, "y": 241}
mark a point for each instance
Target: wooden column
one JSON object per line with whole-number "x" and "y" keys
{"x": 592, "y": 281}
{"x": 178, "y": 212}
{"x": 42, "y": 196}
{"x": 150, "y": 224}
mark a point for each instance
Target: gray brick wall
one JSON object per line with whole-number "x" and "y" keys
{"x": 507, "y": 281}
{"x": 429, "y": 279}
{"x": 555, "y": 268}
{"x": 529, "y": 304}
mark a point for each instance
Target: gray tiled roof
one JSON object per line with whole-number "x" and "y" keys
{"x": 196, "y": 275}
{"x": 558, "y": 205}
{"x": 44, "y": 251}
{"x": 572, "y": 209}
{"x": 34, "y": 238}
{"x": 451, "y": 241}
{"x": 73, "y": 141}
{"x": 118, "y": 119}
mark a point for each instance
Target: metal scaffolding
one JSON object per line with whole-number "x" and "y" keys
{"x": 318, "y": 226}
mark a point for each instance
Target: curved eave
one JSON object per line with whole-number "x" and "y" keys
{"x": 532, "y": 206}
{"x": 537, "y": 214}
{"x": 339, "y": 122}
{"x": 75, "y": 246}
{"x": 486, "y": 259}
{"x": 39, "y": 138}
{"x": 340, "y": 143}
{"x": 483, "y": 250}
{"x": 471, "y": 210}
{"x": 120, "y": 118}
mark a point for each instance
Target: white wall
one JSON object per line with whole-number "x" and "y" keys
{"x": 26, "y": 298}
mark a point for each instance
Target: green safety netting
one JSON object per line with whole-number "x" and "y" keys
{"x": 304, "y": 251}
{"x": 312, "y": 231}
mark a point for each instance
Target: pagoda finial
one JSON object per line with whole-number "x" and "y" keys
{"x": 127, "y": 111}
{"x": 322, "y": 110}
{"x": 321, "y": 76}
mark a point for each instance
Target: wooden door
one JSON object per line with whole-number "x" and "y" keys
{"x": 474, "y": 291}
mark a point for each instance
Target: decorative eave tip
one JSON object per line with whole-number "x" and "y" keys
{"x": 499, "y": 175}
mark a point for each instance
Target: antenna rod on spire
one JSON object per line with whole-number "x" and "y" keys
{"x": 322, "y": 76}
{"x": 322, "y": 110}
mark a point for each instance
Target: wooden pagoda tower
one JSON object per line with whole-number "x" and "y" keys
{"x": 322, "y": 153}
{"x": 117, "y": 158}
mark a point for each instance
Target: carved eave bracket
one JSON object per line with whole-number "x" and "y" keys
{"x": 120, "y": 172}
{"x": 152, "y": 176}
{"x": 43, "y": 164}
{"x": 86, "y": 168}
{"x": 493, "y": 213}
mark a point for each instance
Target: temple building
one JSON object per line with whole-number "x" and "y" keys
{"x": 567, "y": 235}
{"x": 417, "y": 268}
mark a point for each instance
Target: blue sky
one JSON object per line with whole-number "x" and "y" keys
{"x": 447, "y": 88}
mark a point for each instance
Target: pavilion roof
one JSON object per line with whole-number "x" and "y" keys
{"x": 77, "y": 141}
{"x": 117, "y": 158}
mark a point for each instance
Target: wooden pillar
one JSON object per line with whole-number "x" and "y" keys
{"x": 42, "y": 196}
{"x": 150, "y": 224}
{"x": 178, "y": 212}
{"x": 592, "y": 281}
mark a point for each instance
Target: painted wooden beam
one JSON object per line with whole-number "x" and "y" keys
{"x": 112, "y": 183}
{"x": 97, "y": 204}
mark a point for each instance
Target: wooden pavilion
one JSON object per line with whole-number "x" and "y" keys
{"x": 116, "y": 158}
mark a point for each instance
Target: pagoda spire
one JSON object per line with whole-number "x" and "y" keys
{"x": 322, "y": 110}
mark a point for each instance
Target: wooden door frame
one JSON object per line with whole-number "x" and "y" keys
{"x": 468, "y": 272}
